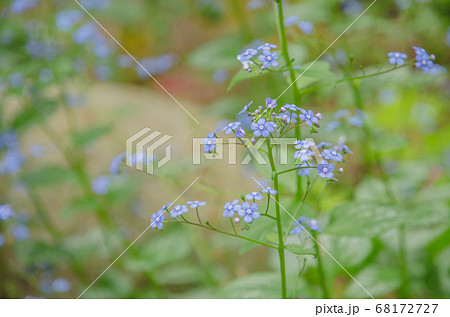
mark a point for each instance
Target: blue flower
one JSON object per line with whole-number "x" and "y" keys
{"x": 332, "y": 155}
{"x": 305, "y": 171}
{"x": 263, "y": 128}
{"x": 115, "y": 163}
{"x": 303, "y": 144}
{"x": 343, "y": 148}
{"x": 322, "y": 145}
{"x": 231, "y": 208}
{"x": 249, "y": 212}
{"x": 158, "y": 219}
{"x": 271, "y": 103}
{"x": 308, "y": 117}
{"x": 313, "y": 224}
{"x": 220, "y": 75}
{"x": 245, "y": 108}
{"x": 306, "y": 27}
{"x": 86, "y": 33}
{"x": 423, "y": 60}
{"x": 124, "y": 61}
{"x": 288, "y": 117}
{"x": 16, "y": 79}
{"x": 196, "y": 203}
{"x": 61, "y": 285}
{"x": 166, "y": 206}
{"x": 397, "y": 58}
{"x": 303, "y": 222}
{"x": 247, "y": 55}
{"x": 102, "y": 72}
{"x": 325, "y": 170}
{"x": 138, "y": 158}
{"x": 231, "y": 126}
{"x": 2, "y": 240}
{"x": 266, "y": 47}
{"x": 269, "y": 190}
{"x": 290, "y": 20}
{"x": 178, "y": 210}
{"x": 254, "y": 196}
{"x": 8, "y": 140}
{"x": 291, "y": 107}
{"x": 156, "y": 65}
{"x": 304, "y": 155}
{"x": 21, "y": 232}
{"x": 12, "y": 162}
{"x": 101, "y": 184}
{"x": 66, "y": 19}
{"x": 6, "y": 212}
{"x": 240, "y": 133}
{"x": 20, "y": 6}
{"x": 269, "y": 59}
{"x": 209, "y": 142}
{"x": 356, "y": 121}
{"x": 296, "y": 230}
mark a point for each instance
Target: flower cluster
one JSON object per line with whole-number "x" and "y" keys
{"x": 158, "y": 218}
{"x": 305, "y": 26}
{"x": 303, "y": 223}
{"x": 248, "y": 211}
{"x": 266, "y": 57}
{"x": 345, "y": 116}
{"x": 13, "y": 158}
{"x": 424, "y": 61}
{"x": 397, "y": 58}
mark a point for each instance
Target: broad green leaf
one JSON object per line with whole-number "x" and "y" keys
{"x": 377, "y": 280}
{"x": 257, "y": 285}
{"x": 314, "y": 73}
{"x": 220, "y": 53}
{"x": 242, "y": 75}
{"x": 85, "y": 137}
{"x": 272, "y": 237}
{"x": 46, "y": 176}
{"x": 179, "y": 274}
{"x": 80, "y": 205}
{"x": 300, "y": 250}
{"x": 34, "y": 114}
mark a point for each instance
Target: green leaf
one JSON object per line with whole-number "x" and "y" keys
{"x": 85, "y": 137}
{"x": 80, "y": 205}
{"x": 377, "y": 280}
{"x": 300, "y": 250}
{"x": 257, "y": 285}
{"x": 46, "y": 176}
{"x": 242, "y": 75}
{"x": 216, "y": 54}
{"x": 272, "y": 237}
{"x": 318, "y": 72}
{"x": 34, "y": 114}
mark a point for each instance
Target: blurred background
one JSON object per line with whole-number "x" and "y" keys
{"x": 70, "y": 97}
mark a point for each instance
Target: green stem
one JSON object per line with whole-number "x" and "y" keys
{"x": 320, "y": 269}
{"x": 279, "y": 226}
{"x": 295, "y": 90}
{"x": 198, "y": 216}
{"x": 403, "y": 257}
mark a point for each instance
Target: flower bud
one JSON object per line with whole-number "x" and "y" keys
{"x": 260, "y": 107}
{"x": 318, "y": 115}
{"x": 256, "y": 111}
{"x": 263, "y": 67}
{"x": 253, "y": 141}
{"x": 237, "y": 220}
{"x": 283, "y": 109}
{"x": 432, "y": 57}
{"x": 341, "y": 170}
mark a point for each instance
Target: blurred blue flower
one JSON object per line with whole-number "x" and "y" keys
{"x": 437, "y": 70}
{"x": 322, "y": 145}
{"x": 308, "y": 117}
{"x": 245, "y": 108}
{"x": 66, "y": 19}
{"x": 325, "y": 170}
{"x": 447, "y": 37}
{"x": 8, "y": 140}
{"x": 178, "y": 210}
{"x": 249, "y": 212}
{"x": 255, "y": 4}
{"x": 16, "y": 79}
{"x": 124, "y": 61}
{"x": 291, "y": 20}
{"x": 101, "y": 184}
{"x": 45, "y": 75}
{"x": 303, "y": 155}
{"x": 247, "y": 54}
{"x": 328, "y": 154}
{"x": 102, "y": 49}
{"x": 156, "y": 65}
{"x": 333, "y": 125}
{"x": 95, "y": 4}
{"x": 102, "y": 72}
{"x": 304, "y": 171}
{"x": 115, "y": 163}
{"x": 387, "y": 96}
{"x": 61, "y": 285}
{"x": 40, "y": 50}
{"x": 303, "y": 144}
{"x": 269, "y": 59}
{"x": 196, "y": 203}
{"x": 343, "y": 148}
{"x": 356, "y": 121}
{"x": 397, "y": 58}
{"x": 240, "y": 133}
{"x": 271, "y": 103}
{"x": 352, "y": 7}
{"x": 74, "y": 100}
{"x": 6, "y": 212}
{"x": 209, "y": 142}
{"x": 220, "y": 75}
{"x": 306, "y": 27}
{"x": 231, "y": 126}
{"x": 231, "y": 208}
{"x": 269, "y": 190}
{"x": 254, "y": 196}
{"x": 20, "y": 6}
{"x": 291, "y": 107}
{"x": 263, "y": 128}
{"x": 12, "y": 162}
{"x": 157, "y": 219}
{"x": 302, "y": 222}
{"x": 85, "y": 33}
{"x": 20, "y": 232}
{"x": 2, "y": 240}
{"x": 266, "y": 47}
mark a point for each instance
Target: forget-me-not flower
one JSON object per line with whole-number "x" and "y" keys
{"x": 303, "y": 144}
{"x": 209, "y": 142}
{"x": 271, "y": 103}
{"x": 61, "y": 285}
{"x": 231, "y": 126}
{"x": 230, "y": 208}
{"x": 305, "y": 170}
{"x": 328, "y": 154}
{"x": 157, "y": 219}
{"x": 178, "y": 210}
{"x": 6, "y": 212}
{"x": 266, "y": 47}
{"x": 101, "y": 184}
{"x": 306, "y": 27}
{"x": 303, "y": 155}
{"x": 254, "y": 195}
{"x": 308, "y": 117}
{"x": 261, "y": 127}
{"x": 326, "y": 170}
{"x": 269, "y": 190}
{"x": 66, "y": 19}
{"x": 196, "y": 203}
{"x": 245, "y": 108}
{"x": 397, "y": 58}
{"x": 249, "y": 212}
{"x": 269, "y": 59}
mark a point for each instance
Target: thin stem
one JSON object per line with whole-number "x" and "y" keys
{"x": 198, "y": 216}
{"x": 279, "y": 226}
{"x": 232, "y": 225}
{"x": 268, "y": 203}
{"x": 320, "y": 269}
{"x": 403, "y": 258}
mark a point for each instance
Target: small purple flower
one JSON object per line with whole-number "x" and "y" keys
{"x": 20, "y": 6}
{"x": 158, "y": 219}
{"x": 178, "y": 210}
{"x": 397, "y": 58}
{"x": 195, "y": 204}
{"x": 303, "y": 155}
{"x": 249, "y": 212}
{"x": 423, "y": 60}
{"x": 231, "y": 208}
{"x": 263, "y": 128}
{"x": 332, "y": 155}
{"x": 269, "y": 59}
{"x": 254, "y": 196}
{"x": 323, "y": 145}
{"x": 296, "y": 230}
{"x": 12, "y": 162}
{"x": 6, "y": 212}
{"x": 267, "y": 47}
{"x": 61, "y": 285}
{"x": 240, "y": 133}
{"x": 124, "y": 61}
{"x": 66, "y": 19}
{"x": 166, "y": 206}
{"x": 21, "y": 232}
{"x": 101, "y": 184}
{"x": 245, "y": 108}
{"x": 269, "y": 190}
{"x": 290, "y": 20}
{"x": 308, "y": 117}
{"x": 115, "y": 163}
{"x": 313, "y": 224}
{"x": 209, "y": 142}
{"x": 271, "y": 103}
{"x": 291, "y": 107}
{"x": 303, "y": 144}
{"x": 305, "y": 171}
{"x": 306, "y": 27}
{"x": 86, "y": 33}
{"x": 288, "y": 117}
{"x": 247, "y": 54}
{"x": 343, "y": 148}
{"x": 325, "y": 170}
{"x": 231, "y": 126}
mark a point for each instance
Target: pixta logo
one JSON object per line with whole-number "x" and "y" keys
{"x": 141, "y": 148}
